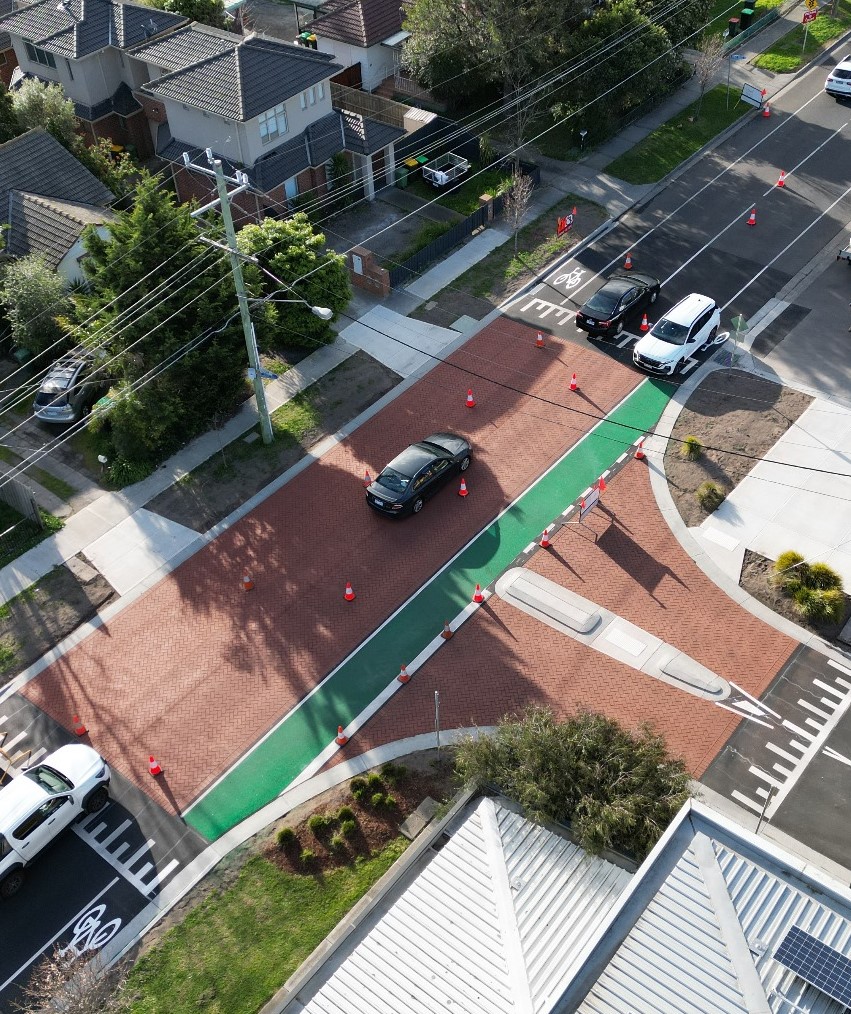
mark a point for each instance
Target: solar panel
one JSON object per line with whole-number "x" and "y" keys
{"x": 816, "y": 963}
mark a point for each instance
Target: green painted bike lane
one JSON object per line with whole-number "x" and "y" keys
{"x": 269, "y": 767}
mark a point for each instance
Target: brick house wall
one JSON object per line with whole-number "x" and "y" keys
{"x": 189, "y": 185}
{"x": 8, "y": 65}
{"x": 121, "y": 130}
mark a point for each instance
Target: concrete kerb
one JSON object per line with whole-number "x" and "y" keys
{"x": 655, "y": 450}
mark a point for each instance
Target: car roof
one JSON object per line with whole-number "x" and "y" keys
{"x": 412, "y": 459}
{"x": 63, "y": 372}
{"x": 688, "y": 308}
{"x": 634, "y": 276}
{"x": 17, "y": 799}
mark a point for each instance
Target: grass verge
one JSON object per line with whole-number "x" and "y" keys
{"x": 429, "y": 232}
{"x": 791, "y": 51}
{"x": 238, "y": 947}
{"x": 46, "y": 479}
{"x": 20, "y": 534}
{"x": 464, "y": 198}
{"x": 653, "y": 158}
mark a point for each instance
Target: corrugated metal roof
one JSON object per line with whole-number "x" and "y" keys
{"x": 491, "y": 926}
{"x": 705, "y": 939}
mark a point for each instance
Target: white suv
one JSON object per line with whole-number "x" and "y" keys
{"x": 42, "y": 801}
{"x": 838, "y": 82}
{"x": 685, "y": 329}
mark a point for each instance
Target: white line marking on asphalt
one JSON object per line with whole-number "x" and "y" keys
{"x": 798, "y": 746}
{"x": 841, "y": 668}
{"x": 796, "y": 728}
{"x": 786, "y": 772}
{"x": 119, "y": 830}
{"x": 688, "y": 366}
{"x": 812, "y": 708}
{"x": 624, "y": 342}
{"x": 139, "y": 853}
{"x": 528, "y": 549}
{"x": 621, "y": 459}
{"x": 818, "y": 726}
{"x": 808, "y": 157}
{"x": 161, "y": 875}
{"x": 828, "y": 688}
{"x": 53, "y": 939}
{"x": 765, "y": 776}
{"x": 761, "y": 792}
{"x": 835, "y": 755}
{"x": 782, "y": 753}
{"x": 746, "y": 800}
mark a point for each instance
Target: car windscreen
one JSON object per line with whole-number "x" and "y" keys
{"x": 671, "y": 332}
{"x": 49, "y": 779}
{"x": 394, "y": 481}
{"x": 602, "y": 302}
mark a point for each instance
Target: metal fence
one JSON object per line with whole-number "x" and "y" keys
{"x": 757, "y": 26}
{"x": 401, "y": 274}
{"x": 20, "y": 499}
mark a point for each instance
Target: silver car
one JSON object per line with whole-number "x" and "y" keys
{"x": 69, "y": 390}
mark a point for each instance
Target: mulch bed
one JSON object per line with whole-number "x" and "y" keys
{"x": 756, "y": 577}
{"x": 376, "y": 825}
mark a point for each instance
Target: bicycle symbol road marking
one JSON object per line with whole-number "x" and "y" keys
{"x": 90, "y": 934}
{"x": 569, "y": 280}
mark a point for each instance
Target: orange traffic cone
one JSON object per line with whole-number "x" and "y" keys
{"x": 627, "y": 264}
{"x": 477, "y": 594}
{"x": 403, "y": 676}
{"x": 752, "y": 217}
{"x": 341, "y": 740}
{"x": 153, "y": 767}
{"x": 782, "y": 181}
{"x": 601, "y": 484}
{"x": 574, "y": 386}
{"x": 463, "y": 490}
{"x": 545, "y": 540}
{"x": 766, "y": 112}
{"x": 247, "y": 583}
{"x": 350, "y": 592}
{"x": 446, "y": 633}
{"x": 645, "y": 326}
{"x": 471, "y": 402}
{"x": 639, "y": 450}
{"x": 367, "y": 478}
{"x": 79, "y": 728}
{"x": 539, "y": 341}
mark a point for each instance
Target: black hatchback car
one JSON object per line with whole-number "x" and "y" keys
{"x": 623, "y": 294}
{"x": 418, "y": 473}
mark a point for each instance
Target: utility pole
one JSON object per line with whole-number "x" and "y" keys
{"x": 223, "y": 203}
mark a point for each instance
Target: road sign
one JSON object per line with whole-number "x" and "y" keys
{"x": 265, "y": 374}
{"x": 809, "y": 16}
{"x": 740, "y": 325}
{"x": 565, "y": 223}
{"x": 811, "y": 5}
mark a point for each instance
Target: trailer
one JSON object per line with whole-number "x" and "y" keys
{"x": 445, "y": 169}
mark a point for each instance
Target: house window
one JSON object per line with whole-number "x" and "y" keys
{"x": 70, "y": 69}
{"x": 321, "y": 89}
{"x": 273, "y": 123}
{"x": 39, "y": 55}
{"x": 309, "y": 97}
{"x": 291, "y": 189}
{"x": 303, "y": 100}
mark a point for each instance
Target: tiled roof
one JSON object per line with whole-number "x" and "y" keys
{"x": 187, "y": 46}
{"x": 361, "y": 23}
{"x": 5, "y": 39}
{"x": 38, "y": 164}
{"x": 367, "y": 136}
{"x": 46, "y": 226}
{"x": 247, "y": 80}
{"x": 76, "y": 28}
{"x": 313, "y": 147}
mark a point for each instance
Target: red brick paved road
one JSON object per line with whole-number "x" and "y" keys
{"x": 197, "y": 670}
{"x": 502, "y": 659}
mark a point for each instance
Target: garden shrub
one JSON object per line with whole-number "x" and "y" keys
{"x": 389, "y": 801}
{"x": 338, "y": 843}
{"x": 820, "y": 606}
{"x": 375, "y": 782}
{"x": 307, "y": 856}
{"x": 710, "y": 496}
{"x": 319, "y": 823}
{"x": 348, "y": 828}
{"x": 285, "y": 838}
{"x": 823, "y": 577}
{"x": 691, "y": 449}
{"x": 790, "y": 571}
{"x": 392, "y": 773}
{"x": 377, "y": 799}
{"x": 345, "y": 813}
{"x": 357, "y": 787}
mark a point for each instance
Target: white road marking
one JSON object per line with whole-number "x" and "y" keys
{"x": 629, "y": 338}
{"x": 119, "y": 830}
{"x": 782, "y": 753}
{"x": 798, "y": 746}
{"x": 765, "y": 776}
{"x": 688, "y": 366}
{"x": 796, "y": 728}
{"x": 841, "y": 668}
{"x": 746, "y": 800}
{"x": 835, "y": 755}
{"x": 808, "y": 157}
{"x": 814, "y": 710}
{"x": 829, "y": 689}
{"x": 786, "y": 772}
{"x": 53, "y": 939}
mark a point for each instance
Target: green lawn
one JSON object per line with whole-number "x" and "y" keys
{"x": 465, "y": 198}
{"x": 238, "y": 947}
{"x": 56, "y": 486}
{"x": 789, "y": 52}
{"x": 428, "y": 232}
{"x": 20, "y": 535}
{"x": 653, "y": 158}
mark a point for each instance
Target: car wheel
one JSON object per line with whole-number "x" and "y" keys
{"x": 619, "y": 327}
{"x": 713, "y": 334}
{"x": 11, "y": 884}
{"x": 654, "y": 295}
{"x": 465, "y": 463}
{"x": 97, "y": 800}
{"x": 417, "y": 505}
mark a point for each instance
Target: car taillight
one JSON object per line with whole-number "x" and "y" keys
{"x": 604, "y": 323}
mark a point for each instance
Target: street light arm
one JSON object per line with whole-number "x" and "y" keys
{"x": 322, "y": 312}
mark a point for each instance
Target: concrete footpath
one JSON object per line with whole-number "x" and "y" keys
{"x": 130, "y": 544}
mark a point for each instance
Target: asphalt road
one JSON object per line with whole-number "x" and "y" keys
{"x": 694, "y": 235}
{"x": 119, "y": 858}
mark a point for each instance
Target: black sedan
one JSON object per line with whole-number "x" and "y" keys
{"x": 418, "y": 473}
{"x": 623, "y": 294}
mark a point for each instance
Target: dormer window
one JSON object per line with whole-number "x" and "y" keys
{"x": 273, "y": 123}
{"x": 39, "y": 55}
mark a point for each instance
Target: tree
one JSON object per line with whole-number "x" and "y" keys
{"x": 9, "y": 126}
{"x": 619, "y": 790}
{"x": 516, "y": 203}
{"x": 44, "y": 105}
{"x": 34, "y": 296}
{"x": 710, "y": 56}
{"x": 293, "y": 251}
{"x": 206, "y": 12}
{"x": 117, "y": 171}
{"x": 73, "y": 983}
{"x": 167, "y": 316}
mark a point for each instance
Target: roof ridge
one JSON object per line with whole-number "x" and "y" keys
{"x": 51, "y": 204}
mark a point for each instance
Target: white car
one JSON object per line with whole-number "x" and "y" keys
{"x": 838, "y": 82}
{"x": 685, "y": 329}
{"x": 42, "y": 801}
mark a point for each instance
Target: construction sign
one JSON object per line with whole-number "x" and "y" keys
{"x": 808, "y": 16}
{"x": 565, "y": 223}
